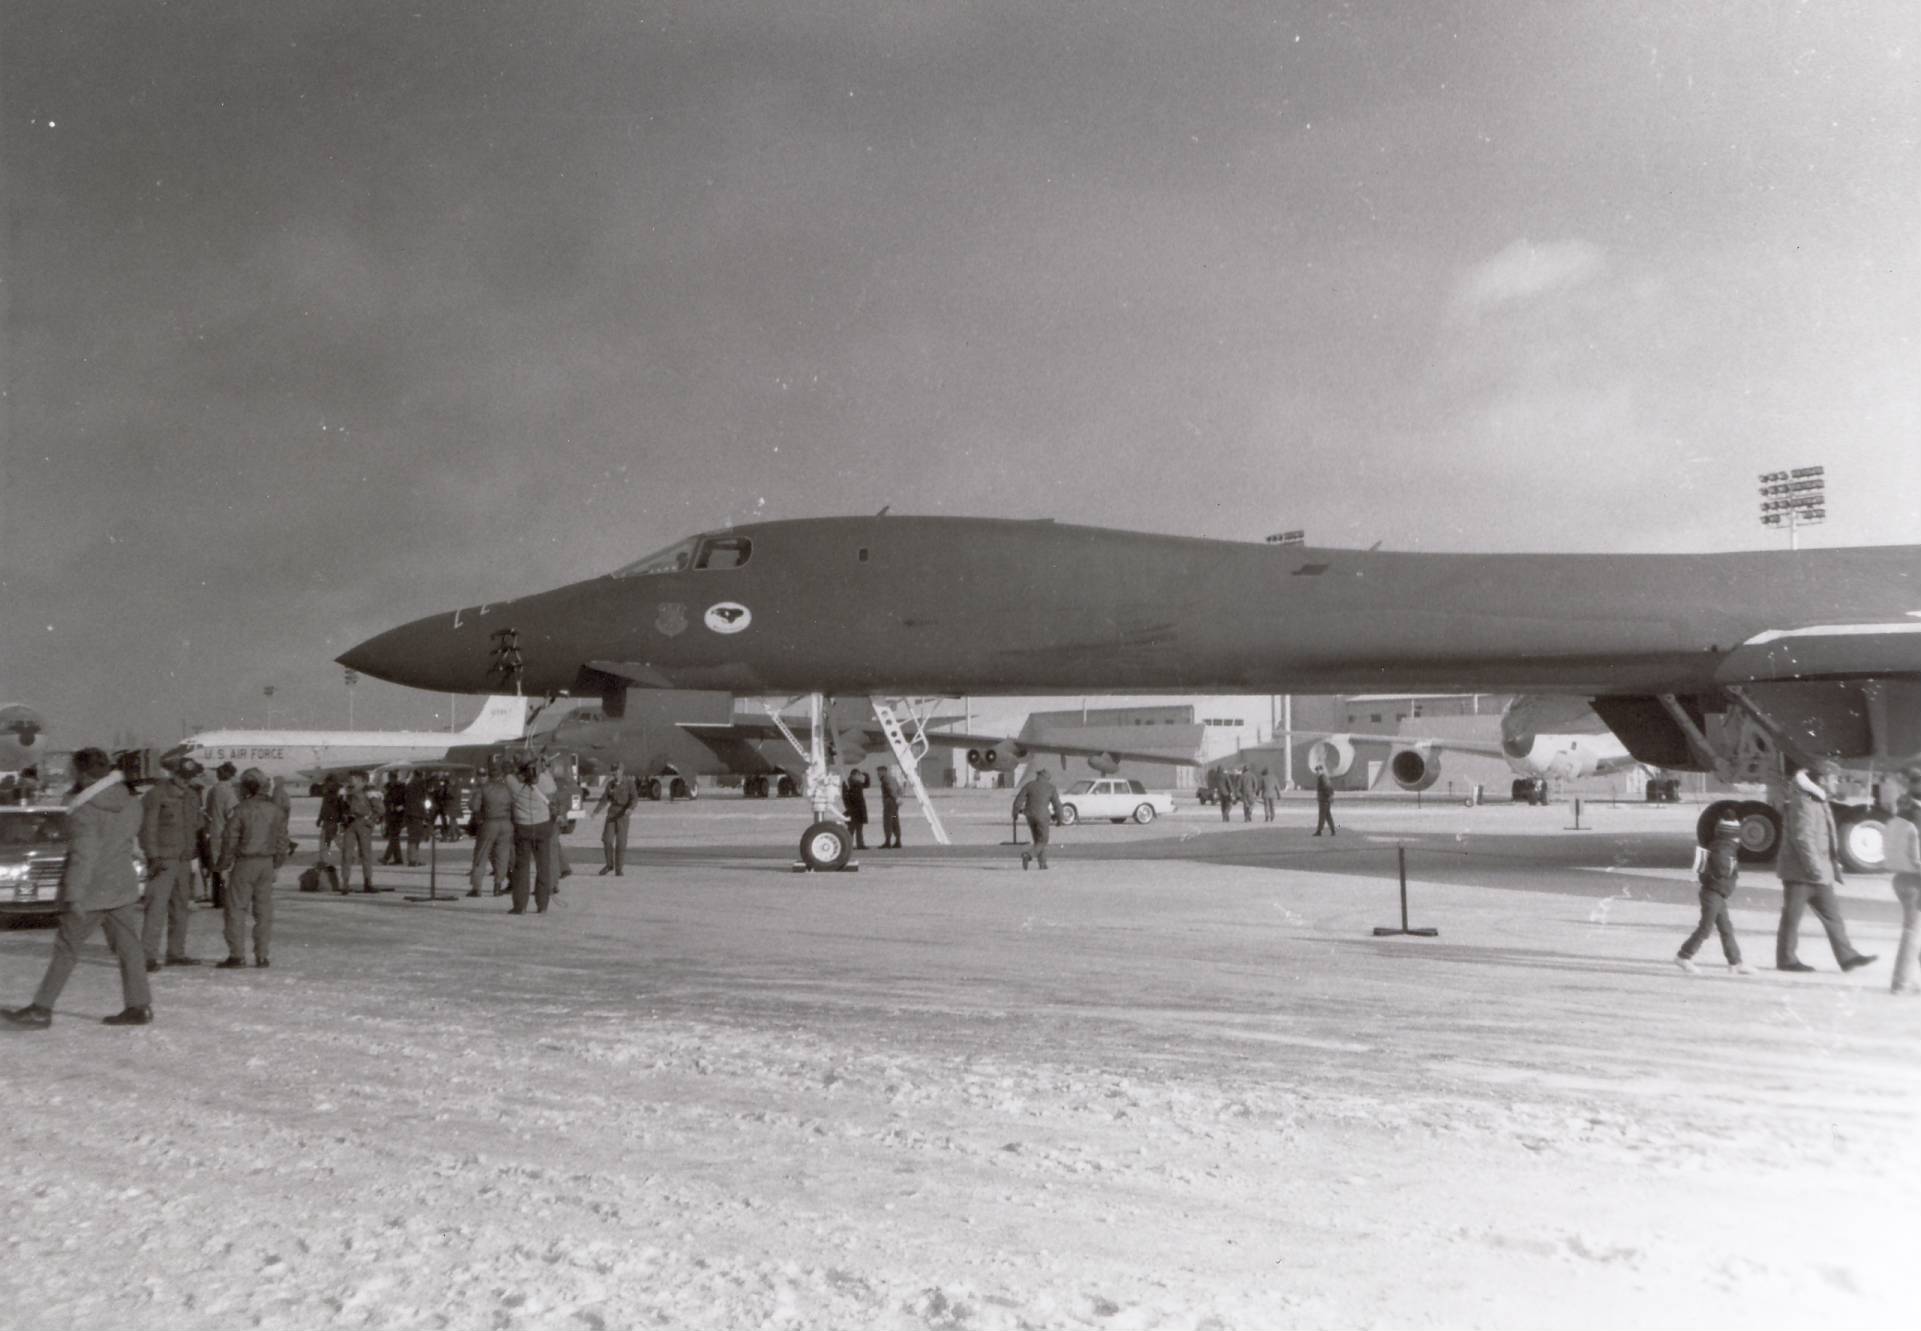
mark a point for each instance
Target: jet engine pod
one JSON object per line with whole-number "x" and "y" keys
{"x": 1417, "y": 768}
{"x": 1333, "y": 755}
{"x": 999, "y": 758}
{"x": 1104, "y": 763}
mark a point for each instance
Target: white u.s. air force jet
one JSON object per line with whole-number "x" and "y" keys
{"x": 1738, "y": 664}
{"x": 311, "y": 754}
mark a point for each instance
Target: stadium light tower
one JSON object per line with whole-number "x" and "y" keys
{"x": 1794, "y": 499}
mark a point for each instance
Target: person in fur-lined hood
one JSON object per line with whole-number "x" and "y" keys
{"x": 98, "y": 889}
{"x": 1810, "y": 865}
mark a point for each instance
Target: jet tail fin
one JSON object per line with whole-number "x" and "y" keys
{"x": 504, "y": 717}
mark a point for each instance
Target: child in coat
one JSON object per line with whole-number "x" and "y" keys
{"x": 1720, "y": 873}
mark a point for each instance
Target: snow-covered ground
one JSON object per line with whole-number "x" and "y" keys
{"x": 1173, "y": 1082}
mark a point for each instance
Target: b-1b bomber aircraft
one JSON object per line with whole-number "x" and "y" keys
{"x": 1738, "y": 664}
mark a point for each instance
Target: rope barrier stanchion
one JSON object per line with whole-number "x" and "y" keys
{"x": 1388, "y": 931}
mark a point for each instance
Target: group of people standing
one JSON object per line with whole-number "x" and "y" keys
{"x": 853, "y": 799}
{"x": 1242, "y": 786}
{"x": 172, "y": 827}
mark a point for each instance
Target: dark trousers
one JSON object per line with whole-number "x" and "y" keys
{"x": 533, "y": 857}
{"x": 1714, "y": 918}
{"x": 890, "y": 824}
{"x": 493, "y": 849}
{"x": 392, "y": 855}
{"x": 613, "y": 839}
{"x": 1247, "y": 810}
{"x": 1267, "y": 803}
{"x": 1226, "y": 802}
{"x": 356, "y": 842}
{"x": 169, "y": 891}
{"x": 1819, "y": 898}
{"x": 418, "y": 830}
{"x": 859, "y": 829}
{"x": 1324, "y": 818}
{"x": 250, "y": 893}
{"x": 122, "y": 924}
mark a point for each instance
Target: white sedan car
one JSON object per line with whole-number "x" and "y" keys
{"x": 1113, "y": 798}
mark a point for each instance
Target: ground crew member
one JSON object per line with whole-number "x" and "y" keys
{"x": 1040, "y": 803}
{"x": 853, "y": 798}
{"x": 329, "y": 819}
{"x": 565, "y": 789}
{"x": 1224, "y": 793}
{"x": 357, "y": 818}
{"x": 889, "y": 809}
{"x": 97, "y": 889}
{"x": 220, "y": 802}
{"x": 1720, "y": 875}
{"x": 393, "y": 803}
{"x": 617, "y": 798}
{"x": 1244, "y": 787}
{"x": 284, "y": 802}
{"x": 533, "y": 831}
{"x": 1904, "y": 860}
{"x": 493, "y": 828}
{"x": 1323, "y": 803}
{"x": 254, "y": 849}
{"x": 1270, "y": 791}
{"x": 1810, "y": 865}
{"x": 169, "y": 837}
{"x": 420, "y": 815}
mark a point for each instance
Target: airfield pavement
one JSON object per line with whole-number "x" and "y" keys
{"x": 1174, "y": 1082}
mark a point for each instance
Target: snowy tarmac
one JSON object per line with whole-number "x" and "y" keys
{"x": 1173, "y": 1082}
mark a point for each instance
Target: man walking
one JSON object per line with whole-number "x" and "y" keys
{"x": 1224, "y": 793}
{"x": 533, "y": 831}
{"x": 357, "y": 819}
{"x": 1270, "y": 791}
{"x": 889, "y": 809}
{"x": 1323, "y": 803}
{"x": 617, "y": 800}
{"x": 1244, "y": 783}
{"x": 565, "y": 789}
{"x": 254, "y": 849}
{"x": 98, "y": 889}
{"x": 169, "y": 837}
{"x": 1810, "y": 865}
{"x": 493, "y": 828}
{"x": 1040, "y": 804}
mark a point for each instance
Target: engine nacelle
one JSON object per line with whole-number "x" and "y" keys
{"x": 1104, "y": 763}
{"x": 1417, "y": 768}
{"x": 1333, "y": 755}
{"x": 998, "y": 758}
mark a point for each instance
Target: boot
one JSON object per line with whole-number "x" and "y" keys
{"x": 30, "y": 1018}
{"x": 232, "y": 964}
{"x": 133, "y": 1016}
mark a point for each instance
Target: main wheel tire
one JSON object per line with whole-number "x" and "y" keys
{"x": 1760, "y": 831}
{"x": 1714, "y": 813}
{"x": 826, "y": 846}
{"x": 787, "y": 788}
{"x": 1522, "y": 792}
{"x": 1864, "y": 839}
{"x": 655, "y": 790}
{"x": 1069, "y": 815}
{"x": 678, "y": 789}
{"x": 1144, "y": 814}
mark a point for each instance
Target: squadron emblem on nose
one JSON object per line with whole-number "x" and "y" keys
{"x": 728, "y": 617}
{"x": 672, "y": 619}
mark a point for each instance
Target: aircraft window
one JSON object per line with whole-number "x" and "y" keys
{"x": 724, "y": 552}
{"x": 674, "y": 559}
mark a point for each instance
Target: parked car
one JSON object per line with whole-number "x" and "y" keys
{"x": 33, "y": 855}
{"x": 1115, "y": 799}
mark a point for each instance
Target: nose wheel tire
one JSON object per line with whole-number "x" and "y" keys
{"x": 826, "y": 846}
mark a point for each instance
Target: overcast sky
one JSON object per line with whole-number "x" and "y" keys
{"x": 318, "y": 317}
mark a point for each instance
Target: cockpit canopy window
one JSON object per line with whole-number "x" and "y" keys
{"x": 702, "y": 552}
{"x": 723, "y": 552}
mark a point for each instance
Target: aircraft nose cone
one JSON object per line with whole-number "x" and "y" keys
{"x": 427, "y": 654}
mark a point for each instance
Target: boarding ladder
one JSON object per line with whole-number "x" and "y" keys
{"x": 909, "y": 750}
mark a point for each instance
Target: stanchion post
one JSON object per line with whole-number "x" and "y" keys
{"x": 1406, "y": 930}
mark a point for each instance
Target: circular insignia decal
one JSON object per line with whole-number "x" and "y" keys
{"x": 672, "y": 619}
{"x": 728, "y": 617}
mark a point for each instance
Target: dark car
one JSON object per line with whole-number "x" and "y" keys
{"x": 33, "y": 855}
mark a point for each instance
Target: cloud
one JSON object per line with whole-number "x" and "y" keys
{"x": 1524, "y": 271}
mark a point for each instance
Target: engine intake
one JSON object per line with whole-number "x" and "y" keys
{"x": 1333, "y": 755}
{"x": 999, "y": 758}
{"x": 1415, "y": 769}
